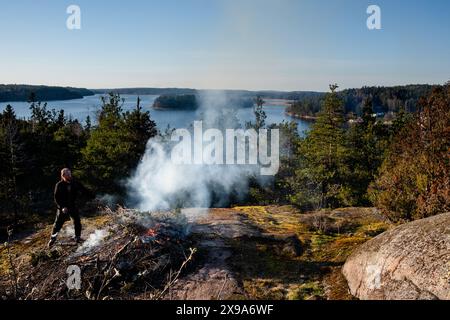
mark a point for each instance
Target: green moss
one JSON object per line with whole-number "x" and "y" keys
{"x": 280, "y": 220}
{"x": 266, "y": 274}
{"x": 319, "y": 240}
{"x": 310, "y": 290}
{"x": 264, "y": 289}
{"x": 373, "y": 229}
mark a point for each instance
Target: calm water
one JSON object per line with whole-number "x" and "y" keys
{"x": 81, "y": 108}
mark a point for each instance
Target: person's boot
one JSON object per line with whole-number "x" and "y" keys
{"x": 52, "y": 241}
{"x": 78, "y": 240}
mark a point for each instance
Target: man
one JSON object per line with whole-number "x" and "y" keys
{"x": 66, "y": 193}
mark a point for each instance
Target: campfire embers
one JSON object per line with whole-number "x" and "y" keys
{"x": 163, "y": 232}
{"x": 150, "y": 235}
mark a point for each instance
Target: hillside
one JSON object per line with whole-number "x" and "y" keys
{"x": 244, "y": 252}
{"x": 384, "y": 100}
{"x": 15, "y": 92}
{"x": 147, "y": 91}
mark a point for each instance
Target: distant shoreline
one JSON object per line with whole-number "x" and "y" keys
{"x": 301, "y": 117}
{"x": 23, "y": 93}
{"x": 278, "y": 102}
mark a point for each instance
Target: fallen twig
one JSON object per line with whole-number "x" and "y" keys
{"x": 107, "y": 280}
{"x": 223, "y": 286}
{"x": 13, "y": 272}
{"x": 177, "y": 274}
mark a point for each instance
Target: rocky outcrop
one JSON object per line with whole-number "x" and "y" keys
{"x": 409, "y": 262}
{"x": 215, "y": 278}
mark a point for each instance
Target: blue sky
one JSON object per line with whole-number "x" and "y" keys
{"x": 225, "y": 44}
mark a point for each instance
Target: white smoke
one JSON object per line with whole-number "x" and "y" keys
{"x": 107, "y": 200}
{"x": 160, "y": 184}
{"x": 92, "y": 241}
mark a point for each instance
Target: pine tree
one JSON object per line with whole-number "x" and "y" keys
{"x": 367, "y": 116}
{"x": 320, "y": 178}
{"x": 402, "y": 118}
{"x": 260, "y": 114}
{"x": 105, "y": 155}
{"x": 12, "y": 159}
{"x": 115, "y": 145}
{"x": 366, "y": 142}
{"x": 139, "y": 128}
{"x": 88, "y": 125}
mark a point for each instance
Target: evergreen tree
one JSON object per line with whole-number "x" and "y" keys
{"x": 402, "y": 118}
{"x": 260, "y": 114}
{"x": 320, "y": 178}
{"x": 115, "y": 145}
{"x": 69, "y": 140}
{"x": 88, "y": 124}
{"x": 366, "y": 142}
{"x": 368, "y": 117}
{"x": 139, "y": 128}
{"x": 12, "y": 158}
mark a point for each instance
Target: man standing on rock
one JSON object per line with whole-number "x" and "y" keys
{"x": 66, "y": 193}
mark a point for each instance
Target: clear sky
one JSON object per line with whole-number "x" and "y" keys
{"x": 224, "y": 44}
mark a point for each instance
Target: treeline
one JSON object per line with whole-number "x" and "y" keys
{"x": 384, "y": 100}
{"x": 147, "y": 91}
{"x": 402, "y": 168}
{"x": 288, "y": 95}
{"x": 246, "y": 94}
{"x": 16, "y": 92}
{"x": 193, "y": 102}
{"x": 33, "y": 151}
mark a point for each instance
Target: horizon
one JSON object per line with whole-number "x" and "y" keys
{"x": 254, "y": 45}
{"x": 223, "y": 89}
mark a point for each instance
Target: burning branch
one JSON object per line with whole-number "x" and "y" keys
{"x": 138, "y": 255}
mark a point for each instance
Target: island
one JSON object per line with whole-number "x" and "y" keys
{"x": 178, "y": 102}
{"x": 193, "y": 102}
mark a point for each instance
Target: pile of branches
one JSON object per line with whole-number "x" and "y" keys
{"x": 141, "y": 258}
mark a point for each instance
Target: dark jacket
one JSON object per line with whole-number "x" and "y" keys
{"x": 66, "y": 193}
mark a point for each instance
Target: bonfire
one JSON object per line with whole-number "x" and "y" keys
{"x": 136, "y": 255}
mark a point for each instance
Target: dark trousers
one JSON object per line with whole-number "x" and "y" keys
{"x": 61, "y": 218}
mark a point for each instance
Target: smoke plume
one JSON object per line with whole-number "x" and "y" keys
{"x": 160, "y": 184}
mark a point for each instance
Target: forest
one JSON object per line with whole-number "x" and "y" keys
{"x": 385, "y": 100}
{"x": 401, "y": 167}
{"x": 41, "y": 93}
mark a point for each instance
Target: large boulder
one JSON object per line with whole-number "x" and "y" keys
{"x": 409, "y": 262}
